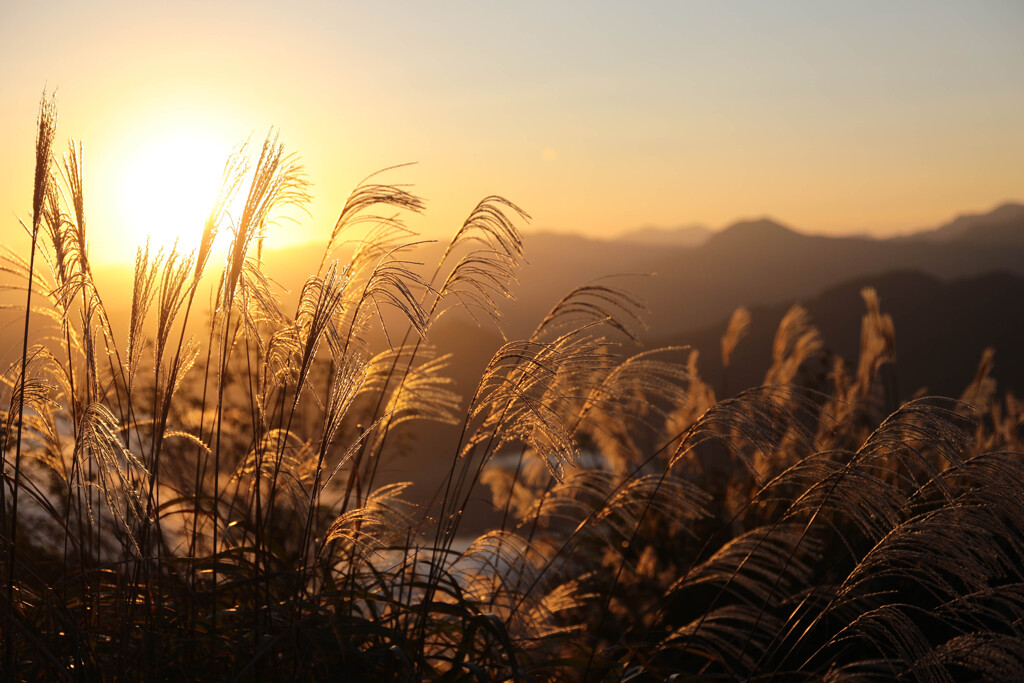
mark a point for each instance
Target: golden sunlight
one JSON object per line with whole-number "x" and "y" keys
{"x": 166, "y": 187}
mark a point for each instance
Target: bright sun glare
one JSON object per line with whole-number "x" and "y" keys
{"x": 167, "y": 187}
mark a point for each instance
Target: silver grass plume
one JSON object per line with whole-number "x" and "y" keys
{"x": 365, "y": 196}
{"x": 119, "y": 470}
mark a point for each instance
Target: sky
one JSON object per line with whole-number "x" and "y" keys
{"x": 595, "y": 117}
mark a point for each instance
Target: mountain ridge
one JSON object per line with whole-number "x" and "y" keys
{"x": 962, "y": 225}
{"x": 942, "y": 328}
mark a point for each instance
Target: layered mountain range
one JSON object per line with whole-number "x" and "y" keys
{"x": 952, "y": 291}
{"x": 759, "y": 262}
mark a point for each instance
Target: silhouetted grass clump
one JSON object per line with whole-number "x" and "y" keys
{"x": 208, "y": 505}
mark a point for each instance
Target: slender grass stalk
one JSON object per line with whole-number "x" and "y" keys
{"x": 46, "y": 130}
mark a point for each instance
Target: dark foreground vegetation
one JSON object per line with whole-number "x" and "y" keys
{"x": 210, "y": 507}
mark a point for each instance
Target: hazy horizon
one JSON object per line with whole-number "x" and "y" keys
{"x": 275, "y": 245}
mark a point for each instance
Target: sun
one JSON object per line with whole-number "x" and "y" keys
{"x": 166, "y": 186}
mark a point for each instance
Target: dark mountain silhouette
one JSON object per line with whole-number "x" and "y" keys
{"x": 748, "y": 264}
{"x": 942, "y": 329}
{"x": 759, "y": 263}
{"x": 766, "y": 266}
{"x": 1003, "y": 226}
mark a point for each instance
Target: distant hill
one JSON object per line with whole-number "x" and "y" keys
{"x": 683, "y": 236}
{"x": 750, "y": 263}
{"x": 1002, "y": 226}
{"x": 766, "y": 266}
{"x": 942, "y": 328}
{"x": 753, "y": 234}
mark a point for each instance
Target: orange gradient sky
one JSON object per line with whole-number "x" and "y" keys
{"x": 867, "y": 117}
